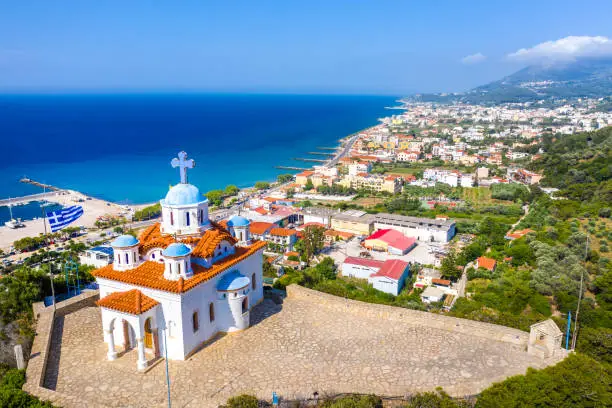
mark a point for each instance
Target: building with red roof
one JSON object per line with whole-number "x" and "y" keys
{"x": 391, "y": 241}
{"x": 486, "y": 263}
{"x": 388, "y": 276}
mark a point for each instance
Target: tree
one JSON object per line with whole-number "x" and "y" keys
{"x": 312, "y": 240}
{"x": 262, "y": 185}
{"x": 284, "y": 178}
{"x": 449, "y": 268}
{"x": 309, "y": 185}
{"x": 118, "y": 230}
{"x": 577, "y": 381}
{"x": 242, "y": 401}
{"x": 215, "y": 197}
{"x": 231, "y": 190}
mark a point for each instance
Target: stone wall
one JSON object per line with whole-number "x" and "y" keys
{"x": 39, "y": 355}
{"x": 418, "y": 318}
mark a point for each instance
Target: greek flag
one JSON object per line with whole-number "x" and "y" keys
{"x": 60, "y": 219}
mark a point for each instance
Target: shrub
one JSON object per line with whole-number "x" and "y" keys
{"x": 242, "y": 401}
{"x": 354, "y": 401}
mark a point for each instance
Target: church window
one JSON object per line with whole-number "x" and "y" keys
{"x": 201, "y": 217}
{"x": 195, "y": 320}
{"x": 245, "y": 305}
{"x": 178, "y": 266}
{"x": 118, "y": 258}
{"x": 171, "y": 218}
{"x": 170, "y": 267}
{"x": 211, "y": 311}
{"x": 153, "y": 255}
{"x": 127, "y": 258}
{"x": 187, "y": 221}
{"x": 253, "y": 282}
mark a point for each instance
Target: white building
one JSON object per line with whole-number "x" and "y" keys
{"x": 99, "y": 256}
{"x": 181, "y": 282}
{"x": 387, "y": 276}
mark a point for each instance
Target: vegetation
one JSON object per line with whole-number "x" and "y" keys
{"x": 262, "y": 185}
{"x": 146, "y": 213}
{"x": 578, "y": 381}
{"x": 216, "y": 197}
{"x": 313, "y": 238}
{"x": 284, "y": 178}
{"x": 11, "y": 395}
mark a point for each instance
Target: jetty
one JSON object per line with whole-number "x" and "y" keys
{"x": 310, "y": 160}
{"x": 291, "y": 168}
{"x": 49, "y": 187}
{"x": 321, "y": 153}
{"x": 29, "y": 198}
{"x": 327, "y": 148}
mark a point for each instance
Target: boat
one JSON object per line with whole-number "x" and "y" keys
{"x": 13, "y": 223}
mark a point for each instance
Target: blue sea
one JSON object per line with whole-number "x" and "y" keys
{"x": 118, "y": 147}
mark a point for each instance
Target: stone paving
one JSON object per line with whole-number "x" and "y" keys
{"x": 304, "y": 347}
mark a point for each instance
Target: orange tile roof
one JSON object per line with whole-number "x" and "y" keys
{"x": 283, "y": 232}
{"x": 151, "y": 274}
{"x": 487, "y": 263}
{"x": 203, "y": 247}
{"x": 261, "y": 210}
{"x": 132, "y": 302}
{"x": 260, "y": 228}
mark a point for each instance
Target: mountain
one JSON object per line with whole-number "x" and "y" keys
{"x": 587, "y": 77}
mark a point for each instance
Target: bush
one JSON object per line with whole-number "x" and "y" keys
{"x": 354, "y": 401}
{"x": 577, "y": 381}
{"x": 11, "y": 395}
{"x": 242, "y": 401}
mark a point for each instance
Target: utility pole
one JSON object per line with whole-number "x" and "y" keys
{"x": 586, "y": 253}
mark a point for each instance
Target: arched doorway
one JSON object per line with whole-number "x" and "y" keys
{"x": 148, "y": 334}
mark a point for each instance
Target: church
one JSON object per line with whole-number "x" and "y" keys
{"x": 182, "y": 281}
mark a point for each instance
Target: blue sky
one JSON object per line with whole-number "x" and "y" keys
{"x": 332, "y": 46}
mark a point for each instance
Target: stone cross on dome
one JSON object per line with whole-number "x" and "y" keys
{"x": 183, "y": 164}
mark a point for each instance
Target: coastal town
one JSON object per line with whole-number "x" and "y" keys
{"x": 425, "y": 212}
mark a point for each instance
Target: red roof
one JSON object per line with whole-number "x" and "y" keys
{"x": 392, "y": 268}
{"x": 487, "y": 263}
{"x": 443, "y": 282}
{"x": 260, "y": 228}
{"x": 371, "y": 263}
{"x": 393, "y": 238}
{"x": 311, "y": 224}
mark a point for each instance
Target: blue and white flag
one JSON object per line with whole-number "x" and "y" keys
{"x": 60, "y": 219}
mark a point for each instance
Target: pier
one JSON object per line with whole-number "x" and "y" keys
{"x": 322, "y": 154}
{"x": 310, "y": 160}
{"x": 28, "y": 198}
{"x": 291, "y": 168}
{"x": 327, "y": 148}
{"x": 49, "y": 187}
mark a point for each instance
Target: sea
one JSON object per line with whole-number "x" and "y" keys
{"x": 118, "y": 147}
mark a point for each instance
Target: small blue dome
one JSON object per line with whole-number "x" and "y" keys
{"x": 183, "y": 194}
{"x": 124, "y": 241}
{"x": 233, "y": 281}
{"x": 176, "y": 249}
{"x": 238, "y": 221}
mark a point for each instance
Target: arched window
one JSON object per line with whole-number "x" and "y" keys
{"x": 195, "y": 320}
{"x": 118, "y": 258}
{"x": 171, "y": 218}
{"x": 153, "y": 255}
{"x": 211, "y": 311}
{"x": 201, "y": 218}
{"x": 127, "y": 258}
{"x": 253, "y": 282}
{"x": 245, "y": 304}
{"x": 178, "y": 266}
{"x": 187, "y": 220}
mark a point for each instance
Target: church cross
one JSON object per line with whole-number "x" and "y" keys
{"x": 183, "y": 164}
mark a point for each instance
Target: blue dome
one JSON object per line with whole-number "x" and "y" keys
{"x": 124, "y": 241}
{"x": 233, "y": 281}
{"x": 176, "y": 249}
{"x": 238, "y": 221}
{"x": 183, "y": 194}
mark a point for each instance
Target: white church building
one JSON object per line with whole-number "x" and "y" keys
{"x": 182, "y": 281}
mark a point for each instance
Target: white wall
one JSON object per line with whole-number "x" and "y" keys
{"x": 358, "y": 271}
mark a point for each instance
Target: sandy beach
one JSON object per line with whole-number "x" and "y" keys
{"x": 92, "y": 209}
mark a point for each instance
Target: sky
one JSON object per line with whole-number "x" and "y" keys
{"x": 328, "y": 46}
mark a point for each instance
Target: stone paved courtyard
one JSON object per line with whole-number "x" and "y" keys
{"x": 301, "y": 349}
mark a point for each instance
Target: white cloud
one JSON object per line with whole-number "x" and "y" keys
{"x": 565, "y": 49}
{"x": 473, "y": 59}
